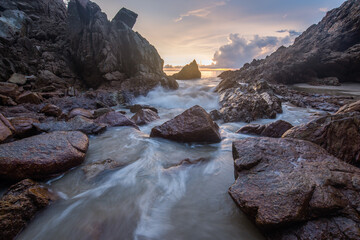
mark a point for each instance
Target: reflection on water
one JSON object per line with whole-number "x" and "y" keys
{"x": 146, "y": 199}
{"x": 205, "y": 73}
{"x": 346, "y": 89}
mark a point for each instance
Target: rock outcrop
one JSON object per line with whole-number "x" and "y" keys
{"x": 20, "y": 204}
{"x": 339, "y": 134}
{"x": 193, "y": 125}
{"x": 6, "y": 129}
{"x": 115, "y": 119}
{"x": 294, "y": 189}
{"x": 144, "y": 116}
{"x": 42, "y": 156}
{"x": 189, "y": 72}
{"x": 274, "y": 129}
{"x": 329, "y": 49}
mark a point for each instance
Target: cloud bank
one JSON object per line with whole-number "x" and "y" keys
{"x": 240, "y": 50}
{"x": 202, "y": 12}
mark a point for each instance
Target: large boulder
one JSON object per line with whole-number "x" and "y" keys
{"x": 78, "y": 123}
{"x": 115, "y": 119}
{"x": 190, "y": 71}
{"x": 42, "y": 156}
{"x": 193, "y": 125}
{"x": 338, "y": 134}
{"x": 144, "y": 116}
{"x": 6, "y": 129}
{"x": 274, "y": 129}
{"x": 294, "y": 189}
{"x": 20, "y": 204}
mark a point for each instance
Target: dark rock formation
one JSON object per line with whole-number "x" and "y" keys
{"x": 78, "y": 123}
{"x": 101, "y": 111}
{"x": 274, "y": 129}
{"x": 193, "y": 125}
{"x": 126, "y": 16}
{"x": 42, "y": 156}
{"x": 137, "y": 107}
{"x": 144, "y": 116}
{"x": 190, "y": 71}
{"x": 249, "y": 102}
{"x": 51, "y": 110}
{"x": 24, "y": 126}
{"x": 328, "y": 49}
{"x": 115, "y": 119}
{"x": 352, "y": 107}
{"x": 339, "y": 134}
{"x": 6, "y": 129}
{"x": 80, "y": 112}
{"x": 293, "y": 189}
{"x": 94, "y": 169}
{"x": 20, "y": 204}
{"x": 29, "y": 97}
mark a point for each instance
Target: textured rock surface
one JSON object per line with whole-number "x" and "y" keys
{"x": 78, "y": 123}
{"x": 20, "y": 204}
{"x": 94, "y": 169}
{"x": 352, "y": 107}
{"x": 274, "y": 129}
{"x": 115, "y": 119}
{"x": 6, "y": 129}
{"x": 338, "y": 134}
{"x": 42, "y": 156}
{"x": 24, "y": 126}
{"x": 293, "y": 189}
{"x": 51, "y": 110}
{"x": 328, "y": 49}
{"x": 193, "y": 125}
{"x": 190, "y": 71}
{"x": 80, "y": 112}
{"x": 144, "y": 116}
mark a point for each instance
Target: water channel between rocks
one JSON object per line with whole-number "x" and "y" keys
{"x": 148, "y": 199}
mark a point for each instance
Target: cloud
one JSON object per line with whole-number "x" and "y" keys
{"x": 291, "y": 33}
{"x": 240, "y": 50}
{"x": 323, "y": 10}
{"x": 202, "y": 12}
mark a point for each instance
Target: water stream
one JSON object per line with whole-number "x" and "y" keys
{"x": 149, "y": 199}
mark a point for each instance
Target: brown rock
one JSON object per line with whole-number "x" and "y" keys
{"x": 18, "y": 79}
{"x": 101, "y": 111}
{"x": 186, "y": 162}
{"x": 6, "y": 129}
{"x": 274, "y": 129}
{"x": 29, "y": 97}
{"x": 20, "y": 204}
{"x": 115, "y": 119}
{"x": 338, "y": 134}
{"x": 78, "y": 123}
{"x": 51, "y": 110}
{"x": 94, "y": 169}
{"x": 80, "y": 112}
{"x": 145, "y": 116}
{"x": 193, "y": 125}
{"x": 9, "y": 89}
{"x": 24, "y": 126}
{"x": 137, "y": 107}
{"x": 7, "y": 101}
{"x": 293, "y": 189}
{"x": 190, "y": 71}
{"x": 353, "y": 107}
{"x": 42, "y": 156}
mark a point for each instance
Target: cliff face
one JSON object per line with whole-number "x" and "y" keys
{"x": 329, "y": 49}
{"x": 78, "y": 44}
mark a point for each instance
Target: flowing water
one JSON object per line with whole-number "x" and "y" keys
{"x": 149, "y": 199}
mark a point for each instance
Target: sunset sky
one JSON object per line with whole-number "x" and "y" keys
{"x": 227, "y": 33}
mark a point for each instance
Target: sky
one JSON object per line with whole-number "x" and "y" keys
{"x": 220, "y": 33}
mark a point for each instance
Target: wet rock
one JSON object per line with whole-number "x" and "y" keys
{"x": 18, "y": 79}
{"x": 20, "y": 204}
{"x": 215, "y": 115}
{"x": 338, "y": 134}
{"x": 274, "y": 129}
{"x": 24, "y": 126}
{"x": 115, "y": 119}
{"x": 9, "y": 90}
{"x": 80, "y": 112}
{"x": 6, "y": 129}
{"x": 248, "y": 103}
{"x": 101, "y": 111}
{"x": 190, "y": 71}
{"x": 145, "y": 116}
{"x": 186, "y": 162}
{"x": 94, "y": 169}
{"x": 29, "y": 97}
{"x": 137, "y": 107}
{"x": 193, "y": 125}
{"x": 42, "y": 156}
{"x": 7, "y": 101}
{"x": 352, "y": 107}
{"x": 78, "y": 123}
{"x": 51, "y": 110}
{"x": 294, "y": 189}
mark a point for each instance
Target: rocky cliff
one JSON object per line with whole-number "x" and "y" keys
{"x": 324, "y": 53}
{"x": 77, "y": 44}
